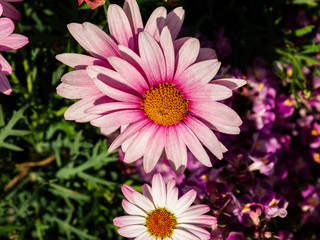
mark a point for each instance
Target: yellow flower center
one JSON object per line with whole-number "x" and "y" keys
{"x": 288, "y": 102}
{"x": 274, "y": 202}
{"x": 314, "y": 132}
{"x": 165, "y": 105}
{"x": 161, "y": 223}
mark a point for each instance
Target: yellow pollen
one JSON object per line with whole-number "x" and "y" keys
{"x": 165, "y": 105}
{"x": 205, "y": 177}
{"x": 260, "y": 86}
{"x": 274, "y": 202}
{"x": 288, "y": 102}
{"x": 289, "y": 72}
{"x": 245, "y": 207}
{"x": 264, "y": 160}
{"x": 314, "y": 132}
{"x": 161, "y": 223}
{"x": 316, "y": 157}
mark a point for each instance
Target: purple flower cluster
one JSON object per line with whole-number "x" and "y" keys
{"x": 269, "y": 181}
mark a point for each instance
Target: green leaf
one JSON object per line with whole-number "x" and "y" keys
{"x": 308, "y": 59}
{"x": 9, "y": 131}
{"x": 303, "y": 31}
{"x": 1, "y": 117}
{"x": 312, "y": 3}
{"x": 9, "y": 228}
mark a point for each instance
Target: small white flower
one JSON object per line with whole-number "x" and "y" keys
{"x": 158, "y": 213}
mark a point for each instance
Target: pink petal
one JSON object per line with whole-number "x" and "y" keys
{"x": 203, "y": 220}
{"x": 4, "y": 84}
{"x": 131, "y": 8}
{"x": 230, "y": 82}
{"x": 10, "y": 11}
{"x": 176, "y": 150}
{"x": 5, "y": 66}
{"x": 78, "y": 78}
{"x": 128, "y": 132}
{"x": 132, "y": 231}
{"x": 118, "y": 118}
{"x": 193, "y": 144}
{"x": 207, "y": 93}
{"x": 152, "y": 59}
{"x": 132, "y": 209}
{"x": 187, "y": 55}
{"x": 159, "y": 192}
{"x": 172, "y": 194}
{"x": 77, "y": 110}
{"x": 119, "y": 26}
{"x": 215, "y": 112}
{"x": 182, "y": 234}
{"x": 80, "y": 61}
{"x": 156, "y": 22}
{"x": 128, "y": 220}
{"x": 178, "y": 43}
{"x": 147, "y": 191}
{"x": 224, "y": 128}
{"x": 145, "y": 236}
{"x": 141, "y": 201}
{"x": 6, "y": 27}
{"x": 194, "y": 211}
{"x": 112, "y": 106}
{"x": 130, "y": 74}
{"x": 184, "y": 202}
{"x": 76, "y": 31}
{"x": 102, "y": 43}
{"x": 197, "y": 231}
{"x": 137, "y": 149}
{"x": 76, "y": 92}
{"x": 1, "y": 10}
{"x": 108, "y": 131}
{"x": 13, "y": 42}
{"x": 154, "y": 150}
{"x": 205, "y": 135}
{"x": 111, "y": 84}
{"x": 206, "y": 54}
{"x": 132, "y": 58}
{"x": 174, "y": 21}
{"x": 198, "y": 73}
{"x": 168, "y": 51}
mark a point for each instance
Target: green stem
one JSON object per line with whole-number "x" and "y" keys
{"x": 105, "y": 8}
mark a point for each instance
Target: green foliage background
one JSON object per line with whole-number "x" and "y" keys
{"x": 73, "y": 191}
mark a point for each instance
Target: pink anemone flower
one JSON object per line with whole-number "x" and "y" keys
{"x": 158, "y": 213}
{"x": 9, "y": 10}
{"x": 125, "y": 25}
{"x": 8, "y": 41}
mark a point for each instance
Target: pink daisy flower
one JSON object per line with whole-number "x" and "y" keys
{"x": 9, "y": 10}
{"x": 158, "y": 213}
{"x": 124, "y": 24}
{"x": 162, "y": 99}
{"x": 165, "y": 101}
{"x": 8, "y": 41}
{"x": 93, "y": 3}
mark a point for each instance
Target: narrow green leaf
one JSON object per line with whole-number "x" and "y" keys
{"x": 10, "y": 146}
{"x": 303, "y": 31}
